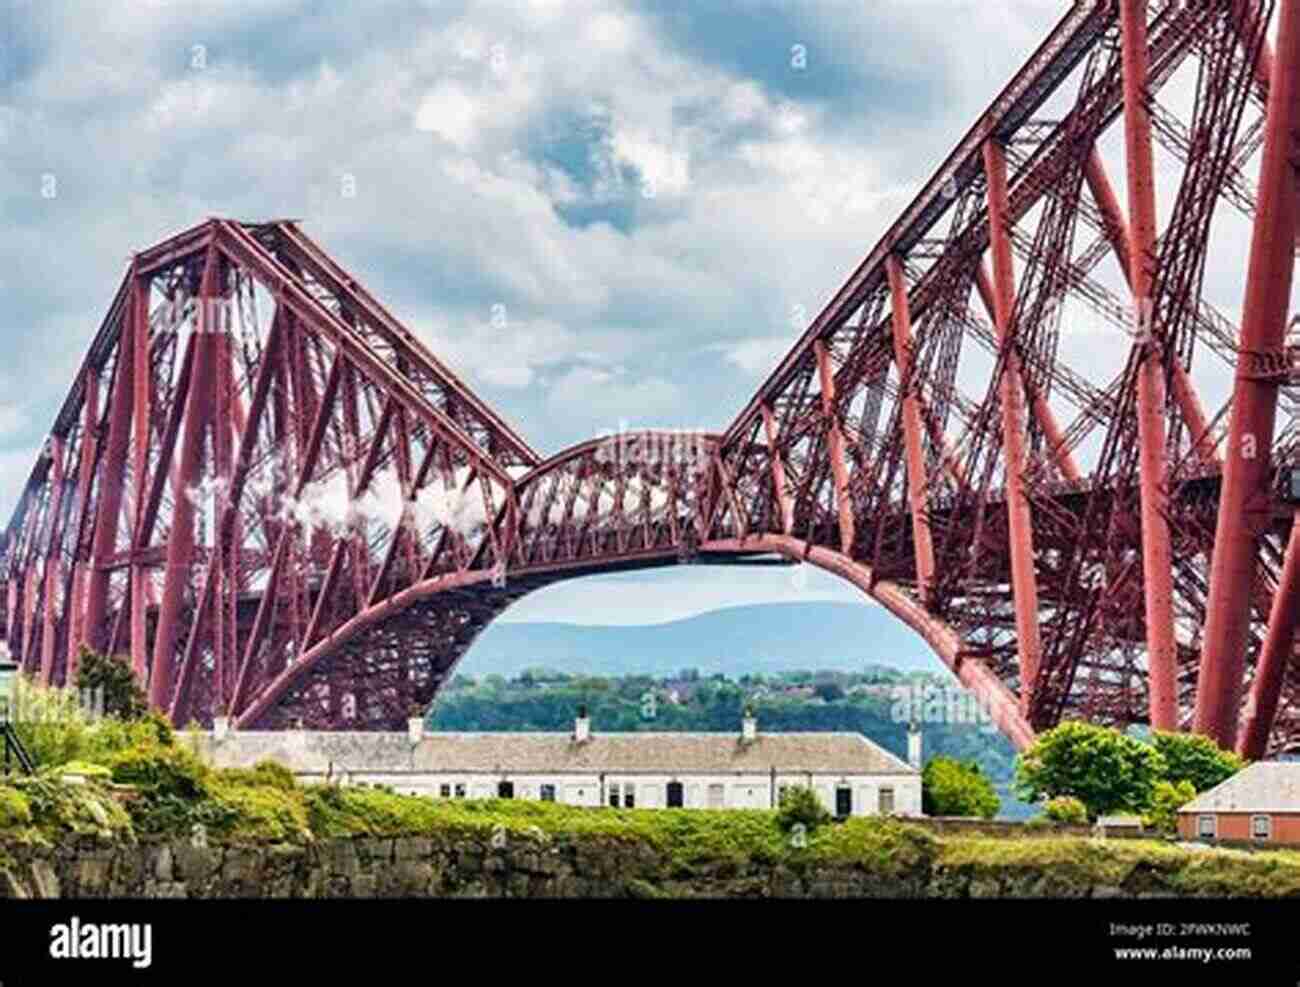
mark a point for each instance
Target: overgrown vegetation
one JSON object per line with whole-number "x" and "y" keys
{"x": 111, "y": 678}
{"x": 135, "y": 780}
{"x": 800, "y": 806}
{"x": 957, "y": 788}
{"x": 57, "y": 728}
{"x": 1166, "y": 800}
{"x": 1066, "y": 809}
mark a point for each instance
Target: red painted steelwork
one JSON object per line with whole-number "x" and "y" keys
{"x": 267, "y": 491}
{"x": 1245, "y": 508}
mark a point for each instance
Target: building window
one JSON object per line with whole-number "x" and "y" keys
{"x": 1205, "y": 827}
{"x": 716, "y": 796}
{"x": 444, "y": 791}
{"x": 613, "y": 795}
{"x": 629, "y": 796}
{"x": 1261, "y": 827}
{"x": 886, "y": 801}
{"x": 548, "y": 793}
{"x": 460, "y": 789}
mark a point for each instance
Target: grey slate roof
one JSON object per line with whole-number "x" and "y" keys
{"x": 1265, "y": 786}
{"x": 529, "y": 753}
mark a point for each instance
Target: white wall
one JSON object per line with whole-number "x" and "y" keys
{"x": 753, "y": 791}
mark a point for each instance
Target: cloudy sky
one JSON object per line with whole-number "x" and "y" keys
{"x": 601, "y": 213}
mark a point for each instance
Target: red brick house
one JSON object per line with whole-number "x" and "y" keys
{"x": 1259, "y": 804}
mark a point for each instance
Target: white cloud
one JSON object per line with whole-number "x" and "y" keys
{"x": 449, "y": 111}
{"x": 754, "y": 356}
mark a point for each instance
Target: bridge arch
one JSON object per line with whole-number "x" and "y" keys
{"x": 274, "y": 706}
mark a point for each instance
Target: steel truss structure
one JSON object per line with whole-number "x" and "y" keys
{"x": 282, "y": 506}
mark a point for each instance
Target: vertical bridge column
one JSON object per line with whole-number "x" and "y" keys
{"x": 180, "y": 542}
{"x": 1024, "y": 578}
{"x": 922, "y": 543}
{"x": 780, "y": 492}
{"x": 1157, "y": 556}
{"x": 143, "y": 372}
{"x": 1244, "y": 500}
{"x": 835, "y": 446}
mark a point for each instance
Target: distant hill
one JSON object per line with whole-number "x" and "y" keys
{"x": 767, "y": 638}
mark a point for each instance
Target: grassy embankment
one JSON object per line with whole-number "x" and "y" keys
{"x": 158, "y": 789}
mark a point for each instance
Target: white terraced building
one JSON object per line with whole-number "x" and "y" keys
{"x": 850, "y": 774}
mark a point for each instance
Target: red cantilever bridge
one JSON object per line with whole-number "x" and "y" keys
{"x": 265, "y": 489}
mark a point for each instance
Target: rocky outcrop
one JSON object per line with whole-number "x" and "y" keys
{"x": 532, "y": 867}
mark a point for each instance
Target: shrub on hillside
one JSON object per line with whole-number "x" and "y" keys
{"x": 15, "y": 810}
{"x": 56, "y": 729}
{"x": 271, "y": 774}
{"x": 1066, "y": 809}
{"x": 158, "y": 770}
{"x": 957, "y": 788}
{"x": 59, "y": 808}
{"x": 50, "y": 722}
{"x": 112, "y": 677}
{"x": 1166, "y": 800}
{"x": 800, "y": 806}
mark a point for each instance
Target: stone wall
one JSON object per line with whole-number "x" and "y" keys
{"x": 533, "y": 868}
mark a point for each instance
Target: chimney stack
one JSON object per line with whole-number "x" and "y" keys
{"x": 582, "y": 726}
{"x": 914, "y": 745}
{"x": 749, "y": 726}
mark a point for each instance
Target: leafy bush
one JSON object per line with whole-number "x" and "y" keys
{"x": 161, "y": 727}
{"x": 1101, "y": 767}
{"x": 163, "y": 814}
{"x": 113, "y": 677}
{"x": 338, "y": 811}
{"x": 56, "y": 729}
{"x": 957, "y": 788}
{"x": 60, "y": 808}
{"x": 1166, "y": 800}
{"x": 800, "y": 806}
{"x": 1195, "y": 759}
{"x": 164, "y": 771}
{"x": 111, "y": 735}
{"x": 1066, "y": 809}
{"x": 270, "y": 773}
{"x": 15, "y": 809}
{"x": 258, "y": 812}
{"x": 50, "y": 722}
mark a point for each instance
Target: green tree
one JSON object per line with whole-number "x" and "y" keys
{"x": 1167, "y": 798}
{"x": 950, "y": 787}
{"x": 112, "y": 674}
{"x": 1195, "y": 759}
{"x": 1101, "y": 767}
